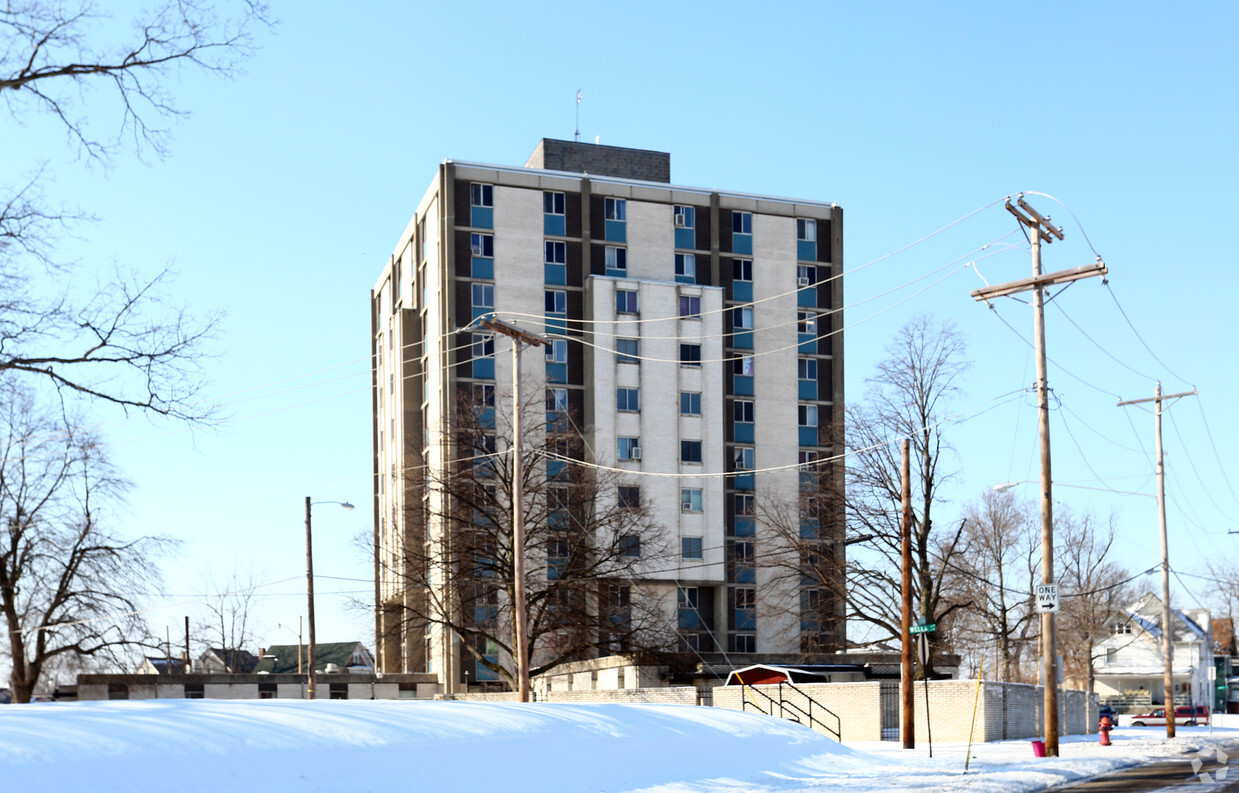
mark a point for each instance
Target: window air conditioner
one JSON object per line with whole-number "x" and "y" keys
{"x": 679, "y": 220}
{"x": 803, "y": 280}
{"x": 477, "y": 250}
{"x": 634, "y": 453}
{"x": 686, "y": 506}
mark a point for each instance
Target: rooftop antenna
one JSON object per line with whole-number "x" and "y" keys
{"x": 578, "y": 115}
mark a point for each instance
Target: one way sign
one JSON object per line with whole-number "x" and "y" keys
{"x": 1047, "y": 598}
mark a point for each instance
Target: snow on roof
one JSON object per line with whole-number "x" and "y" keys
{"x": 1191, "y": 625}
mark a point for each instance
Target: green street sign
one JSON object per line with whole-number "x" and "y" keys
{"x": 930, "y": 628}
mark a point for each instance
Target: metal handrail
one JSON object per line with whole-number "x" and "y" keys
{"x": 784, "y": 705}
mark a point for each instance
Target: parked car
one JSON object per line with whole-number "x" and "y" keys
{"x": 1185, "y": 715}
{"x": 1107, "y": 712}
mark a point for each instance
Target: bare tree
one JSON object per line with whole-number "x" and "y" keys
{"x": 994, "y": 578}
{"x": 119, "y": 343}
{"x": 227, "y": 625}
{"x": 908, "y": 397}
{"x": 586, "y": 542}
{"x": 1094, "y": 587}
{"x": 68, "y": 584}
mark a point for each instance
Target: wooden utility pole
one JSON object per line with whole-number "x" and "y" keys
{"x": 1167, "y": 641}
{"x": 518, "y": 337}
{"x": 907, "y": 722}
{"x": 1042, "y": 230}
{"x": 312, "y": 678}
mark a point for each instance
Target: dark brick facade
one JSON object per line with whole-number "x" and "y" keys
{"x": 599, "y": 160}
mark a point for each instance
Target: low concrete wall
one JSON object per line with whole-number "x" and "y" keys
{"x": 674, "y": 695}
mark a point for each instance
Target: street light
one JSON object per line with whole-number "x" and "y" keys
{"x": 312, "y": 680}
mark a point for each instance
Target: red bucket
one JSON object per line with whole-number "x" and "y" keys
{"x": 1038, "y": 748}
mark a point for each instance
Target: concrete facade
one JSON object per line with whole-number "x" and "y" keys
{"x": 722, "y": 434}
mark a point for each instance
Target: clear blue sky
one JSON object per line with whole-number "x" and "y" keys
{"x": 286, "y": 189}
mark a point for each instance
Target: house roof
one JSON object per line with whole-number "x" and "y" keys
{"x": 166, "y": 666}
{"x": 1147, "y": 614}
{"x": 282, "y": 658}
{"x": 239, "y": 661}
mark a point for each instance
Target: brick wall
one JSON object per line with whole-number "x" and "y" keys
{"x": 591, "y": 158}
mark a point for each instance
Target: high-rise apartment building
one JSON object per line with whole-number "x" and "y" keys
{"x": 695, "y": 358}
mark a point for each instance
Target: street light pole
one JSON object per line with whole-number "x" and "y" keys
{"x": 312, "y": 678}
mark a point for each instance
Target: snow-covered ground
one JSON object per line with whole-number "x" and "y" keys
{"x": 275, "y": 746}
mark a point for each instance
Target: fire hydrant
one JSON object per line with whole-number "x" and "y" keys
{"x": 1105, "y": 730}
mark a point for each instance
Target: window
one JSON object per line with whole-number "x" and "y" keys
{"x": 627, "y": 350}
{"x": 690, "y": 548}
{"x": 685, "y": 217}
{"x": 742, "y": 318}
{"x": 806, "y": 230}
{"x": 806, "y": 322}
{"x": 745, "y": 457}
{"x": 626, "y": 302}
{"x": 556, "y": 400}
{"x": 808, "y": 415}
{"x": 742, "y": 410}
{"x": 742, "y": 366}
{"x": 690, "y": 451}
{"x": 806, "y": 457}
{"x": 690, "y": 403}
{"x": 558, "y": 553}
{"x": 626, "y": 446}
{"x": 1122, "y": 628}
{"x": 806, "y": 368}
{"x": 616, "y": 258}
{"x": 482, "y": 244}
{"x": 690, "y": 307}
{"x": 627, "y": 399}
{"x": 615, "y": 208}
{"x": 483, "y": 395}
{"x": 554, "y": 252}
{"x": 557, "y": 351}
{"x": 687, "y": 598}
{"x": 806, "y": 274}
{"x": 1112, "y": 656}
{"x": 743, "y": 643}
{"x": 741, "y": 222}
{"x": 483, "y": 295}
{"x": 743, "y": 504}
{"x": 742, "y": 270}
{"x": 686, "y": 265}
{"x": 553, "y": 203}
{"x": 629, "y": 545}
{"x": 690, "y": 355}
{"x": 629, "y": 497}
{"x": 744, "y": 597}
{"x": 481, "y": 195}
{"x": 690, "y": 499}
{"x": 556, "y": 301}
{"x": 483, "y": 345}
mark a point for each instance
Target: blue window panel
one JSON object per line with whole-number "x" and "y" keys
{"x": 808, "y": 436}
{"x": 806, "y": 250}
{"x": 486, "y": 615}
{"x": 742, "y": 290}
{"x": 740, "y": 243}
{"x": 686, "y": 238}
{"x": 482, "y": 311}
{"x": 556, "y": 323}
{"x": 484, "y": 368}
{"x": 482, "y": 268}
{"x": 742, "y": 385}
{"x": 612, "y": 273}
{"x": 686, "y": 279}
{"x": 553, "y": 226}
{"x": 616, "y": 231}
{"x": 485, "y": 416}
{"x": 482, "y": 217}
{"x": 742, "y": 482}
{"x": 806, "y": 389}
{"x": 808, "y": 343}
{"x": 689, "y": 620}
{"x": 555, "y": 468}
{"x": 809, "y": 528}
{"x": 743, "y": 432}
{"x": 743, "y": 574}
{"x": 485, "y": 674}
{"x": 744, "y": 526}
{"x": 746, "y": 619}
{"x": 555, "y": 273}
{"x": 742, "y": 340}
{"x": 556, "y": 372}
{"x": 807, "y": 296}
